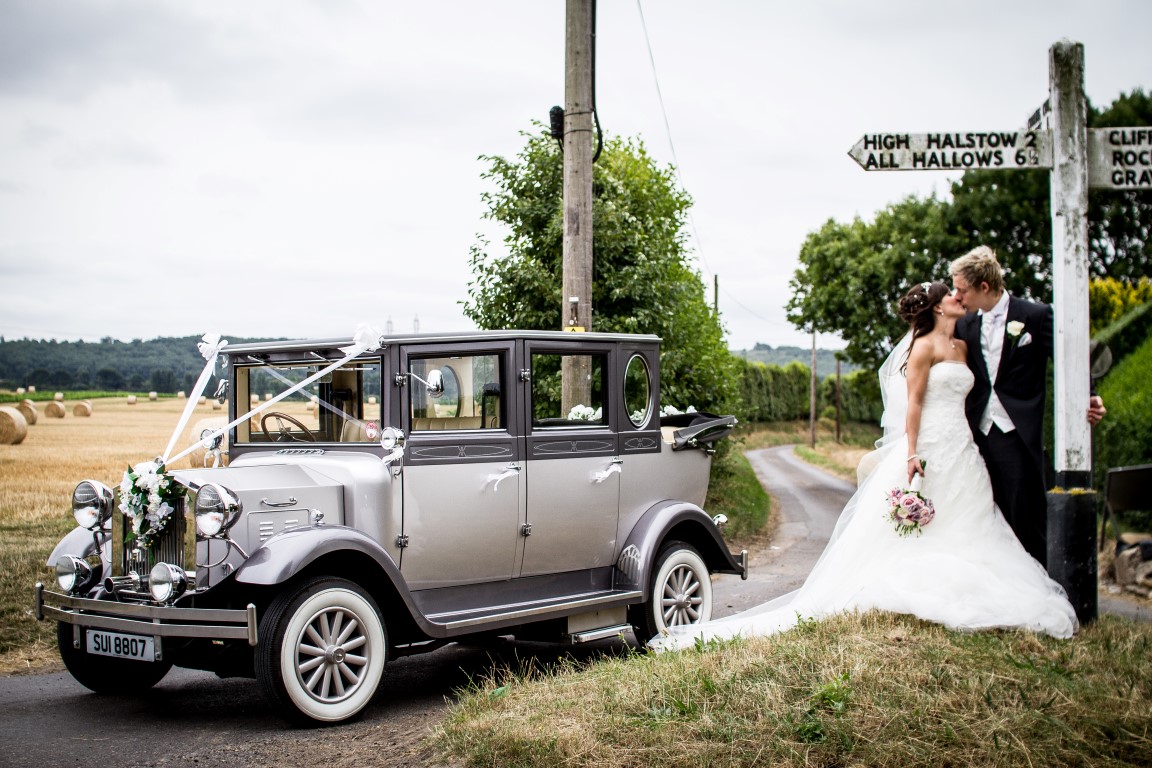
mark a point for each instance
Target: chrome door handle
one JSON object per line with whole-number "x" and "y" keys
{"x": 291, "y": 502}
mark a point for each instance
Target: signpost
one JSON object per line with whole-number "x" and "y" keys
{"x": 1120, "y": 158}
{"x": 1078, "y": 158}
{"x": 959, "y": 151}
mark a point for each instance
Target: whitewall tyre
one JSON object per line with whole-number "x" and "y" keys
{"x": 322, "y": 651}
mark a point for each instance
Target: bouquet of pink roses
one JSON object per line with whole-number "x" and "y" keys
{"x": 909, "y": 510}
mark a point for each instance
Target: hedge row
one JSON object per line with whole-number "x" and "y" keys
{"x": 1124, "y": 437}
{"x": 773, "y": 393}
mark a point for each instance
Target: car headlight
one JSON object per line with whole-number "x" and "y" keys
{"x": 91, "y": 504}
{"x": 217, "y": 510}
{"x": 73, "y": 574}
{"x": 167, "y": 582}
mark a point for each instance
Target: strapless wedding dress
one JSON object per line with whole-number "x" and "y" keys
{"x": 966, "y": 570}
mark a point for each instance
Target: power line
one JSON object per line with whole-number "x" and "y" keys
{"x": 668, "y": 131}
{"x": 680, "y": 175}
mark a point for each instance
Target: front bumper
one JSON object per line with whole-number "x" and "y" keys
{"x": 138, "y": 619}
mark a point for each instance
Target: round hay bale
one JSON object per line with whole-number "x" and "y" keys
{"x": 82, "y": 409}
{"x": 267, "y": 396}
{"x": 203, "y": 399}
{"x": 13, "y": 426}
{"x": 58, "y": 397}
{"x": 131, "y": 399}
{"x": 180, "y": 394}
{"x": 217, "y": 405}
{"x": 31, "y": 390}
{"x": 152, "y": 395}
{"x": 20, "y": 390}
{"x": 372, "y": 400}
{"x": 54, "y": 410}
{"x": 28, "y": 410}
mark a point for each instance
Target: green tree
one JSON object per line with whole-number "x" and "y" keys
{"x": 109, "y": 378}
{"x": 851, "y": 275}
{"x": 642, "y": 279}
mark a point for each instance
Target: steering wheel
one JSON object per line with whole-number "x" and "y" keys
{"x": 283, "y": 432}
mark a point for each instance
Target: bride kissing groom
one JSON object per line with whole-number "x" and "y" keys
{"x": 963, "y": 409}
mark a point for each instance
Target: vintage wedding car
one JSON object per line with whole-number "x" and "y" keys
{"x": 405, "y": 493}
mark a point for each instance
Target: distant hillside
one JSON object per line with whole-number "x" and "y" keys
{"x": 169, "y": 364}
{"x": 165, "y": 364}
{"x": 781, "y": 356}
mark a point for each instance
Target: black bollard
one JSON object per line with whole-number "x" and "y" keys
{"x": 1072, "y": 548}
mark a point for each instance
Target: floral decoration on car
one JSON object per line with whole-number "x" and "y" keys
{"x": 148, "y": 496}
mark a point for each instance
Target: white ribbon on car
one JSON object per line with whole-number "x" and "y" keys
{"x": 599, "y": 477}
{"x": 495, "y": 479}
{"x": 366, "y": 339}
{"x": 210, "y": 347}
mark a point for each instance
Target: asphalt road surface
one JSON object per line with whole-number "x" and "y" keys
{"x": 195, "y": 719}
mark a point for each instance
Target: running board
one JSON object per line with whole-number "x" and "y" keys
{"x": 458, "y": 622}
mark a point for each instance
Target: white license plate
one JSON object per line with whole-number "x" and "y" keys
{"x": 121, "y": 646}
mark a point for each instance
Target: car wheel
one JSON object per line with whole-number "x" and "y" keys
{"x": 322, "y": 651}
{"x": 679, "y": 592}
{"x": 105, "y": 674}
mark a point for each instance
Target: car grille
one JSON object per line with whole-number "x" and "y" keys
{"x": 177, "y": 545}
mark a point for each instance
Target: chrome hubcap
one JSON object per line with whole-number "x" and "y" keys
{"x": 681, "y": 600}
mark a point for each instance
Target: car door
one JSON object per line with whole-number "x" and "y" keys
{"x": 463, "y": 481}
{"x": 572, "y": 457}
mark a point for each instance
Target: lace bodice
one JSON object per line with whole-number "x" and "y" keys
{"x": 944, "y": 429}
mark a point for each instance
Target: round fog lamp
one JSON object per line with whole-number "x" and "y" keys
{"x": 167, "y": 582}
{"x": 71, "y": 573}
{"x": 91, "y": 504}
{"x": 217, "y": 510}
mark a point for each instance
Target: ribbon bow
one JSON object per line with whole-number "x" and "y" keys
{"x": 366, "y": 339}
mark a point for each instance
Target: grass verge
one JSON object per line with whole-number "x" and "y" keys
{"x": 877, "y": 690}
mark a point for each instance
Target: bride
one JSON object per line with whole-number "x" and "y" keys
{"x": 966, "y": 570}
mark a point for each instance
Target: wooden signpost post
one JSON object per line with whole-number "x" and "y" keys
{"x": 1112, "y": 158}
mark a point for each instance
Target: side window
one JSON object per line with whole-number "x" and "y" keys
{"x": 638, "y": 391}
{"x": 569, "y": 390}
{"x": 467, "y": 393}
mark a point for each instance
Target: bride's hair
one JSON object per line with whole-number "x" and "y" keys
{"x": 916, "y": 309}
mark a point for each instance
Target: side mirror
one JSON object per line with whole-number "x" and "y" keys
{"x": 435, "y": 382}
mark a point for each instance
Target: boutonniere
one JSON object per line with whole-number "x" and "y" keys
{"x": 1014, "y": 329}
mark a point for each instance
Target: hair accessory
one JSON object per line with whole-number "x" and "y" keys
{"x": 925, "y": 286}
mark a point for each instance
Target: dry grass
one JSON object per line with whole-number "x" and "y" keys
{"x": 876, "y": 690}
{"x": 36, "y": 482}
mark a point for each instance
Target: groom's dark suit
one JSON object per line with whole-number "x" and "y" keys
{"x": 1015, "y": 459}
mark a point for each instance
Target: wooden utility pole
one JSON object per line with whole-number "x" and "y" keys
{"x": 576, "y": 299}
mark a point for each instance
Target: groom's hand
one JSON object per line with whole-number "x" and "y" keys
{"x": 1096, "y": 410}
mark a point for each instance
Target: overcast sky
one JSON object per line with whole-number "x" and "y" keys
{"x": 294, "y": 168}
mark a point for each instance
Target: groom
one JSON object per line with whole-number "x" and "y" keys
{"x": 1009, "y": 344}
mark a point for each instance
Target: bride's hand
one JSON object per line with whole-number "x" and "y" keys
{"x": 914, "y": 468}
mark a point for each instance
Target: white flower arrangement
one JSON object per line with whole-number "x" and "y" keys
{"x": 671, "y": 410}
{"x": 148, "y": 496}
{"x": 1014, "y": 328}
{"x": 585, "y": 413}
